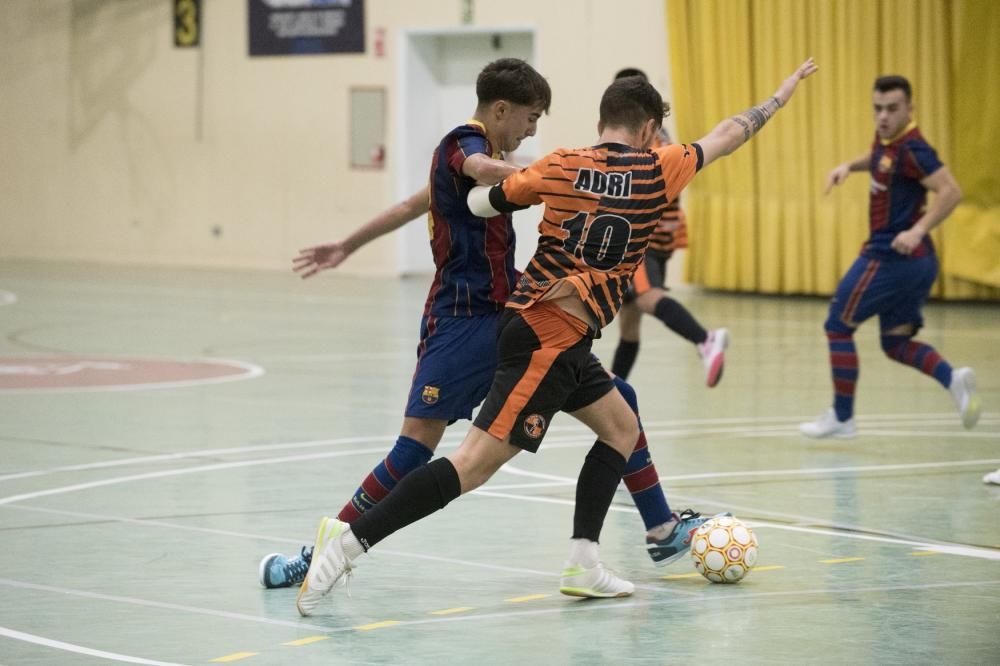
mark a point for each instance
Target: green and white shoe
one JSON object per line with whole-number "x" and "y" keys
{"x": 596, "y": 582}
{"x": 328, "y": 566}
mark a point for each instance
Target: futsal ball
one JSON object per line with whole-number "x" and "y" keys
{"x": 724, "y": 549}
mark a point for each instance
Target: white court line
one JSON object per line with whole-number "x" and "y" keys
{"x": 453, "y": 438}
{"x": 952, "y": 548}
{"x": 806, "y": 471}
{"x": 250, "y": 372}
{"x": 562, "y": 606}
{"x": 335, "y": 454}
{"x": 174, "y": 472}
{"x": 272, "y": 539}
{"x": 875, "y": 432}
{"x": 571, "y": 606}
{"x": 79, "y": 649}
{"x": 199, "y": 453}
{"x": 157, "y": 604}
{"x": 329, "y": 454}
{"x": 632, "y": 602}
{"x": 7, "y": 297}
{"x": 549, "y": 575}
{"x": 942, "y": 547}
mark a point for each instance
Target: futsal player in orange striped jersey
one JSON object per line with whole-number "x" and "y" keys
{"x": 648, "y": 295}
{"x": 601, "y": 203}
{"x": 456, "y": 359}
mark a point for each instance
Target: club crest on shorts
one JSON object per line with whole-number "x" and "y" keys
{"x": 430, "y": 394}
{"x": 534, "y": 426}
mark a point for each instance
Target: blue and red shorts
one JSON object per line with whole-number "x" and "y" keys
{"x": 456, "y": 359}
{"x": 893, "y": 289}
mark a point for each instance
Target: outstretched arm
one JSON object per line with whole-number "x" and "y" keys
{"x": 733, "y": 132}
{"x": 312, "y": 260}
{"x": 947, "y": 195}
{"x": 840, "y": 172}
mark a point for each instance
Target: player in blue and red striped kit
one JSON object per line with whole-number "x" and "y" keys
{"x": 893, "y": 276}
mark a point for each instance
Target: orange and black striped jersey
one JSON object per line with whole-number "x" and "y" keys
{"x": 601, "y": 206}
{"x": 671, "y": 233}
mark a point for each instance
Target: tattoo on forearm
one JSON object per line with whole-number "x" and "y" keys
{"x": 755, "y": 117}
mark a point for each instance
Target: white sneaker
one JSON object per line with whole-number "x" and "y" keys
{"x": 963, "y": 392}
{"x": 827, "y": 425}
{"x": 992, "y": 477}
{"x": 713, "y": 356}
{"x": 329, "y": 564}
{"x": 596, "y": 582}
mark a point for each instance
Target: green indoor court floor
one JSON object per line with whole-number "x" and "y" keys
{"x": 139, "y": 487}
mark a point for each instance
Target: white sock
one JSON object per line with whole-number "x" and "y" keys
{"x": 583, "y": 552}
{"x": 352, "y": 547}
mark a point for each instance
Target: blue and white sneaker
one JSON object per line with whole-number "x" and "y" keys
{"x": 276, "y": 570}
{"x": 678, "y": 542}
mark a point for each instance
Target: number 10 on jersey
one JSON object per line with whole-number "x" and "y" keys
{"x": 601, "y": 242}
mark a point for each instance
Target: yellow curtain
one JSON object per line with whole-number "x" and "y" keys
{"x": 758, "y": 219}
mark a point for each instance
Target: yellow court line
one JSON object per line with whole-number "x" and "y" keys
{"x": 307, "y": 640}
{"x": 768, "y": 568}
{"x": 236, "y": 656}
{"x": 530, "y": 597}
{"x": 449, "y": 611}
{"x": 377, "y": 625}
{"x": 679, "y": 576}
{"x": 925, "y": 553}
{"x": 842, "y": 560}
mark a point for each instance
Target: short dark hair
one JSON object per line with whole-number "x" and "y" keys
{"x": 893, "y": 82}
{"x": 631, "y": 71}
{"x": 513, "y": 80}
{"x": 631, "y": 101}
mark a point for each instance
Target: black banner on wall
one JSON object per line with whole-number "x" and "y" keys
{"x": 187, "y": 23}
{"x": 302, "y": 27}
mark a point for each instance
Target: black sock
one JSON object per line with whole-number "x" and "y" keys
{"x": 625, "y": 354}
{"x": 419, "y": 494}
{"x": 677, "y": 318}
{"x": 599, "y": 478}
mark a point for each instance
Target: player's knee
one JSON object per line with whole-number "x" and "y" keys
{"x": 892, "y": 343}
{"x": 629, "y": 436}
{"x": 834, "y": 326}
{"x": 628, "y": 393}
{"x": 648, "y": 300}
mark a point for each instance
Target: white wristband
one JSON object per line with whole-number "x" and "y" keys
{"x": 479, "y": 202}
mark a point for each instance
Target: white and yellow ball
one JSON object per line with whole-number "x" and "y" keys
{"x": 724, "y": 549}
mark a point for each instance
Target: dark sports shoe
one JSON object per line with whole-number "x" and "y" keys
{"x": 678, "y": 542}
{"x": 276, "y": 570}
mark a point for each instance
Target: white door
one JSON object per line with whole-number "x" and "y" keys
{"x": 436, "y": 73}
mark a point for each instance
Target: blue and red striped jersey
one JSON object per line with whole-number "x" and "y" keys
{"x": 897, "y": 198}
{"x": 473, "y": 256}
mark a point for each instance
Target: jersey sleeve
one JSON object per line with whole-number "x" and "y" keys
{"x": 920, "y": 161}
{"x": 679, "y": 162}
{"x": 462, "y": 147}
{"x": 520, "y": 190}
